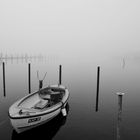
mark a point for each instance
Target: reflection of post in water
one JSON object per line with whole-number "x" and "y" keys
{"x": 4, "y": 88}
{"x": 97, "y": 90}
{"x": 26, "y": 58}
{"x": 47, "y": 130}
{"x": 17, "y": 58}
{"x": 11, "y": 58}
{"x": 120, "y": 95}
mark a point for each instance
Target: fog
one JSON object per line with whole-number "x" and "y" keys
{"x": 70, "y": 28}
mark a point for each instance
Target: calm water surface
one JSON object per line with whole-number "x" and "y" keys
{"x": 82, "y": 121}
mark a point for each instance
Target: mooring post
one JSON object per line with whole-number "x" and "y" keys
{"x": 60, "y": 74}
{"x": 29, "y": 77}
{"x": 40, "y": 84}
{"x": 97, "y": 90}
{"x": 120, "y": 95}
{"x": 4, "y": 88}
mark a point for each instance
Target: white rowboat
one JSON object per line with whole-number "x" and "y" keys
{"x": 38, "y": 107}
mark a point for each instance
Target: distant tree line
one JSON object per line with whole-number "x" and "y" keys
{"x": 20, "y": 56}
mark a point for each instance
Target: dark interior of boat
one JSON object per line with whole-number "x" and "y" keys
{"x": 49, "y": 97}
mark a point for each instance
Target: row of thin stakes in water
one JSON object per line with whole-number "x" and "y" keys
{"x": 120, "y": 94}
{"x": 60, "y": 79}
{"x": 29, "y": 77}
{"x": 26, "y": 58}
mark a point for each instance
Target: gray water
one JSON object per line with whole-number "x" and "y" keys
{"x": 80, "y": 77}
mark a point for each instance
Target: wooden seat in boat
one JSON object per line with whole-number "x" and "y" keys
{"x": 41, "y": 104}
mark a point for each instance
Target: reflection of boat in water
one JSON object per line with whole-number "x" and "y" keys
{"x": 39, "y": 107}
{"x": 47, "y": 130}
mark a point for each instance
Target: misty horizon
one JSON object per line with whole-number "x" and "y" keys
{"x": 75, "y": 28}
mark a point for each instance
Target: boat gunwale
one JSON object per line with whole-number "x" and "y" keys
{"x": 40, "y": 113}
{"x": 37, "y": 115}
{"x": 28, "y": 96}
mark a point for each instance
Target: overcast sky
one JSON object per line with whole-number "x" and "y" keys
{"x": 70, "y": 26}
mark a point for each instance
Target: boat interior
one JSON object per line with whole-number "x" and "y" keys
{"x": 49, "y": 97}
{"x": 41, "y": 100}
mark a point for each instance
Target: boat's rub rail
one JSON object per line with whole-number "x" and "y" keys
{"x": 29, "y": 109}
{"x": 36, "y": 115}
{"x": 55, "y": 87}
{"x": 39, "y": 112}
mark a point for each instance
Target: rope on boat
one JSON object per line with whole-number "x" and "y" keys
{"x": 43, "y": 77}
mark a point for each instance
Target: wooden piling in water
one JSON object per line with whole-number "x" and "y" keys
{"x": 97, "y": 89}
{"x": 60, "y": 74}
{"x": 29, "y": 77}
{"x": 4, "y": 88}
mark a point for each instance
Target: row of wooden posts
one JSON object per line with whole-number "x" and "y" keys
{"x": 29, "y": 77}
{"x": 60, "y": 82}
{"x": 120, "y": 95}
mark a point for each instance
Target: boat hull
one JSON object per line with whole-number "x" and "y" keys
{"x": 23, "y": 123}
